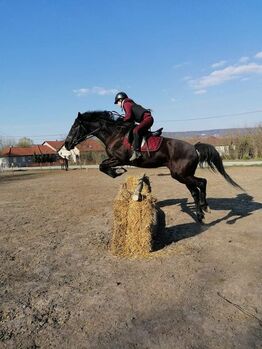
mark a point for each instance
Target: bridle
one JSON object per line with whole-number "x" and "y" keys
{"x": 114, "y": 113}
{"x": 92, "y": 133}
{"x": 89, "y": 134}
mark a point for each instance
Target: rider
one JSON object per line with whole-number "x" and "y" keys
{"x": 140, "y": 115}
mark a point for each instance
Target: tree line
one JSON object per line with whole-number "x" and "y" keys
{"x": 9, "y": 142}
{"x": 244, "y": 145}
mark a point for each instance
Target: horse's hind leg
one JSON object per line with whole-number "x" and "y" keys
{"x": 192, "y": 185}
{"x": 195, "y": 192}
{"x": 202, "y": 184}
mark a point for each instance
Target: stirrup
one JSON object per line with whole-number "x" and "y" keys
{"x": 135, "y": 155}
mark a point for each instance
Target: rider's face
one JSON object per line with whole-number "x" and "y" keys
{"x": 119, "y": 103}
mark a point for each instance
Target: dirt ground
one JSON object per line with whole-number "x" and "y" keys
{"x": 60, "y": 287}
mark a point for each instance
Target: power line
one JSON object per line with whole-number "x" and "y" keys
{"x": 215, "y": 116}
{"x": 160, "y": 120}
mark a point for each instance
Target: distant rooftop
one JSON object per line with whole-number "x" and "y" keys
{"x": 27, "y": 151}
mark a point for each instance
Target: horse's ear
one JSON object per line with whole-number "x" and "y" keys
{"x": 79, "y": 114}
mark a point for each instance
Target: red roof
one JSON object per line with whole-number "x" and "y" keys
{"x": 87, "y": 145}
{"x": 57, "y": 145}
{"x": 27, "y": 151}
{"x": 90, "y": 145}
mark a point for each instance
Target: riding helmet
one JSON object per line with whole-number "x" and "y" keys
{"x": 120, "y": 95}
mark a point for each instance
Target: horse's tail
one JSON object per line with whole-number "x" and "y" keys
{"x": 208, "y": 154}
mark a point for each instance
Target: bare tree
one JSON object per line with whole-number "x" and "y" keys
{"x": 25, "y": 142}
{"x": 6, "y": 142}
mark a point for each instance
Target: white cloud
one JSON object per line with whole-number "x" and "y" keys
{"x": 180, "y": 65}
{"x": 96, "y": 90}
{"x": 258, "y": 55}
{"x": 186, "y": 78}
{"x": 218, "y": 77}
{"x": 244, "y": 59}
{"x": 200, "y": 92}
{"x": 218, "y": 64}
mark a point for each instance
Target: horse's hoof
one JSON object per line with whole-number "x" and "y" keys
{"x": 206, "y": 209}
{"x": 200, "y": 218}
{"x": 120, "y": 170}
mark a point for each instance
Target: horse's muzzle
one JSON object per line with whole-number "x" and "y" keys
{"x": 67, "y": 145}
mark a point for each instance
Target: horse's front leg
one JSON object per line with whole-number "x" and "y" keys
{"x": 108, "y": 166}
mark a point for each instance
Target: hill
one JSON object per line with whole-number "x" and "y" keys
{"x": 208, "y": 133}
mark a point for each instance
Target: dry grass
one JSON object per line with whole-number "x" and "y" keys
{"x": 134, "y": 222}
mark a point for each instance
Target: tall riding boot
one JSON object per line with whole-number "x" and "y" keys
{"x": 136, "y": 146}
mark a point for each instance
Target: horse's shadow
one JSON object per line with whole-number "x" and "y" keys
{"x": 239, "y": 207}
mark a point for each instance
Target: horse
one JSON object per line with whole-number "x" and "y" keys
{"x": 180, "y": 157}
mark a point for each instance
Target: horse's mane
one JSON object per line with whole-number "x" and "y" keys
{"x": 108, "y": 116}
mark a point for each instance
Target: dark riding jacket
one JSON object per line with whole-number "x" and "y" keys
{"x": 133, "y": 111}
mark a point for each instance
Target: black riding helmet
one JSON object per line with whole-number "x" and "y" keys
{"x": 120, "y": 95}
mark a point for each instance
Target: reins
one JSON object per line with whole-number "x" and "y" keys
{"x": 90, "y": 134}
{"x": 115, "y": 113}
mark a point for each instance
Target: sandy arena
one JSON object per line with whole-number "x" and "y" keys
{"x": 60, "y": 287}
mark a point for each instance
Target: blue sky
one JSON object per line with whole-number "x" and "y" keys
{"x": 196, "y": 64}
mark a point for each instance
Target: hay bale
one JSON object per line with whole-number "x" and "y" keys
{"x": 134, "y": 222}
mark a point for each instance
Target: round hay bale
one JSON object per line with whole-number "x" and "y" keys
{"x": 134, "y": 222}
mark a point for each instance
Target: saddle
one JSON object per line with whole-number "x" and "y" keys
{"x": 151, "y": 140}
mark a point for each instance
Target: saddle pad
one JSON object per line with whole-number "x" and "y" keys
{"x": 151, "y": 144}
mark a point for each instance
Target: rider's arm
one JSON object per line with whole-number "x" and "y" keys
{"x": 127, "y": 106}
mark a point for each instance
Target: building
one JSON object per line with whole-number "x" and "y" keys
{"x": 88, "y": 151}
{"x": 92, "y": 151}
{"x": 52, "y": 153}
{"x": 28, "y": 156}
{"x": 222, "y": 144}
{"x": 59, "y": 147}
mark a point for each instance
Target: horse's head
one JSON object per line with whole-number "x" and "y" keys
{"x": 89, "y": 123}
{"x": 77, "y": 133}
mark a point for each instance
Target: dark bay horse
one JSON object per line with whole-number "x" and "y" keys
{"x": 180, "y": 157}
